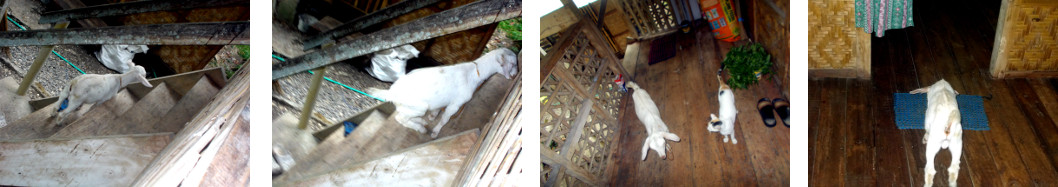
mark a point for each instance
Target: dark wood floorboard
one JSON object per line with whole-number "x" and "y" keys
{"x": 684, "y": 89}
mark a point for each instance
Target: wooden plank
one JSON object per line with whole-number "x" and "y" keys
{"x": 134, "y": 7}
{"x": 859, "y": 139}
{"x": 365, "y": 21}
{"x": 186, "y": 108}
{"x": 216, "y": 33}
{"x": 41, "y": 123}
{"x": 179, "y": 83}
{"x": 501, "y": 138}
{"x": 231, "y": 165}
{"x": 1042, "y": 124}
{"x": 99, "y": 161}
{"x": 151, "y": 106}
{"x": 454, "y": 20}
{"x": 890, "y": 160}
{"x": 374, "y": 137}
{"x": 195, "y": 136}
{"x": 1048, "y": 94}
{"x": 830, "y": 159}
{"x": 1029, "y": 147}
{"x": 432, "y": 164}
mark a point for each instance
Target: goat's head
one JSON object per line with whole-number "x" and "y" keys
{"x": 506, "y": 58}
{"x": 657, "y": 142}
{"x": 140, "y": 73}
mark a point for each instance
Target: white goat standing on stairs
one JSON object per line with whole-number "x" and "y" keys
{"x": 648, "y": 113}
{"x": 447, "y": 87}
{"x": 96, "y": 89}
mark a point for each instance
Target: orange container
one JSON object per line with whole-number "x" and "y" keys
{"x": 722, "y": 19}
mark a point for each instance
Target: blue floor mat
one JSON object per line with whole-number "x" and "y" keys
{"x": 911, "y": 111}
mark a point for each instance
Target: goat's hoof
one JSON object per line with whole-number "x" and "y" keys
{"x": 433, "y": 135}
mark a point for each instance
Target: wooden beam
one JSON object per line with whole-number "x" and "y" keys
{"x": 175, "y": 162}
{"x": 216, "y": 33}
{"x": 96, "y": 161}
{"x": 469, "y": 16}
{"x": 365, "y": 21}
{"x": 117, "y": 9}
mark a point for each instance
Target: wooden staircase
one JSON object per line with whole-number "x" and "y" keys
{"x": 111, "y": 143}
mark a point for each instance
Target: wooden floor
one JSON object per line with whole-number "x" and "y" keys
{"x": 685, "y": 91}
{"x": 853, "y": 139}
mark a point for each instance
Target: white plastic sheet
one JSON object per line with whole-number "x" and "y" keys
{"x": 388, "y": 65}
{"x": 116, "y": 57}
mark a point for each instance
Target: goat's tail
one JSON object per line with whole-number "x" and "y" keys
{"x": 948, "y": 133}
{"x": 379, "y": 93}
{"x": 632, "y": 85}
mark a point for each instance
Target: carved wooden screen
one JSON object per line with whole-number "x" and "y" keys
{"x": 579, "y": 106}
{"x": 650, "y": 16}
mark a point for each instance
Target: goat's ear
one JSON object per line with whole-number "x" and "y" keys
{"x": 646, "y": 146}
{"x": 671, "y": 136}
{"x": 145, "y": 82}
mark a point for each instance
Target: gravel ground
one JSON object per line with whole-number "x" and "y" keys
{"x": 55, "y": 72}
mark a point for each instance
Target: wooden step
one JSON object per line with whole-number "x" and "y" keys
{"x": 201, "y": 94}
{"x": 97, "y": 161}
{"x": 40, "y": 124}
{"x": 152, "y": 105}
{"x": 374, "y": 137}
{"x": 435, "y": 163}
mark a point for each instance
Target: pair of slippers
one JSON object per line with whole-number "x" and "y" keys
{"x": 779, "y": 105}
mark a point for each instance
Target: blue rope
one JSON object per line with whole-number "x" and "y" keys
{"x": 333, "y": 81}
{"x": 52, "y": 51}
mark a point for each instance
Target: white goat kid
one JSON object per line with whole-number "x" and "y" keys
{"x": 445, "y": 87}
{"x": 648, "y": 113}
{"x": 728, "y": 113}
{"x": 942, "y": 115}
{"x": 95, "y": 89}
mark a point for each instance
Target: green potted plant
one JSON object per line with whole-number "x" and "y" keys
{"x": 746, "y": 64}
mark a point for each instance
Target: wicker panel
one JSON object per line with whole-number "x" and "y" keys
{"x": 559, "y": 105}
{"x": 650, "y": 16}
{"x": 834, "y": 42}
{"x": 607, "y": 94}
{"x": 1032, "y": 45}
{"x": 592, "y": 151}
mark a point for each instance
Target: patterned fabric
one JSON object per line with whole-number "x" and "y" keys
{"x": 876, "y": 16}
{"x": 910, "y": 111}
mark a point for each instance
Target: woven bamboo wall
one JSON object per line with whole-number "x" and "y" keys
{"x": 579, "y": 111}
{"x": 836, "y": 47}
{"x": 452, "y": 48}
{"x": 1026, "y": 44}
{"x": 184, "y": 58}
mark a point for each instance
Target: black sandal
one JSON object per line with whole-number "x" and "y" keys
{"x": 783, "y": 108}
{"x": 764, "y": 106}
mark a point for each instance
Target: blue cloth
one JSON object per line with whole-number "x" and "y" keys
{"x": 349, "y": 126}
{"x": 63, "y": 105}
{"x": 911, "y": 111}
